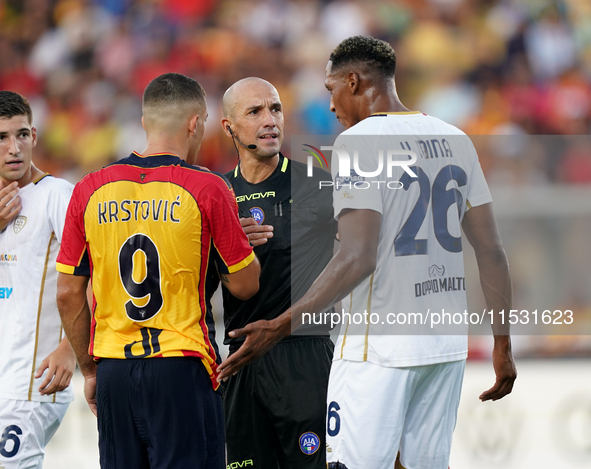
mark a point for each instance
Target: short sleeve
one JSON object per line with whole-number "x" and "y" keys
{"x": 57, "y": 206}
{"x": 73, "y": 257}
{"x": 353, "y": 190}
{"x": 233, "y": 251}
{"x": 478, "y": 191}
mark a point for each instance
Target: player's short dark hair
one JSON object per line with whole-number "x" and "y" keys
{"x": 368, "y": 50}
{"x": 13, "y": 104}
{"x": 172, "y": 88}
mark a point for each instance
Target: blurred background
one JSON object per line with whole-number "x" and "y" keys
{"x": 515, "y": 74}
{"x": 489, "y": 67}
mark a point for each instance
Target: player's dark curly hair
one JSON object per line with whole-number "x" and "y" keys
{"x": 172, "y": 88}
{"x": 376, "y": 53}
{"x": 13, "y": 104}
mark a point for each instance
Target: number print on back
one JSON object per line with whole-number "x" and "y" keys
{"x": 149, "y": 286}
{"x": 442, "y": 199}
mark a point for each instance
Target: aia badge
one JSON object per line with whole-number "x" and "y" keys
{"x": 309, "y": 443}
{"x": 258, "y": 215}
{"x": 19, "y": 223}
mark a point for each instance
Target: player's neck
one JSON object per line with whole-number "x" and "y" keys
{"x": 255, "y": 170}
{"x": 30, "y": 176}
{"x": 167, "y": 146}
{"x": 387, "y": 104}
{"x": 386, "y": 100}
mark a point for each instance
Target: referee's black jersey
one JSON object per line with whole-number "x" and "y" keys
{"x": 302, "y": 244}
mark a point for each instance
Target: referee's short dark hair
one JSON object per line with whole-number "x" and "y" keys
{"x": 171, "y": 89}
{"x": 13, "y": 104}
{"x": 368, "y": 50}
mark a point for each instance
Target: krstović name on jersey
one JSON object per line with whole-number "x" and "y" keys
{"x": 136, "y": 210}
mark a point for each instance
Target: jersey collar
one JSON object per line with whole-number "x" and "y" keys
{"x": 283, "y": 164}
{"x": 405, "y": 113}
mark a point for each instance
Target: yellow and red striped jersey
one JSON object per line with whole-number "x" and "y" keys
{"x": 146, "y": 226}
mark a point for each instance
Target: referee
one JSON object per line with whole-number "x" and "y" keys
{"x": 275, "y": 408}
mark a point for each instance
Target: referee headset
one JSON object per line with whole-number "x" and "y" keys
{"x": 252, "y": 146}
{"x": 249, "y": 147}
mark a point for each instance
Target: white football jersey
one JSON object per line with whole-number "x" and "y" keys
{"x": 30, "y": 325}
{"x": 420, "y": 268}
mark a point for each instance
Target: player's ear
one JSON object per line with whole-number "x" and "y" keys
{"x": 226, "y": 125}
{"x": 353, "y": 82}
{"x": 193, "y": 124}
{"x": 34, "y": 136}
{"x": 143, "y": 125}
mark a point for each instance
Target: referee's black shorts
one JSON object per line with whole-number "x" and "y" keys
{"x": 158, "y": 413}
{"x": 275, "y": 408}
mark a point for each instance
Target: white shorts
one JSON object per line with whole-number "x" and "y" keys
{"x": 374, "y": 412}
{"x": 25, "y": 428}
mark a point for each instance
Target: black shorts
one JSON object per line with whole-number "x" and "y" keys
{"x": 275, "y": 408}
{"x": 158, "y": 413}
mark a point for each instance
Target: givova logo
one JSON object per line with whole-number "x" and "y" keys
{"x": 235, "y": 465}
{"x": 5, "y": 293}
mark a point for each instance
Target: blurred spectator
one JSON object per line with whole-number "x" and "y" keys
{"x": 550, "y": 45}
{"x": 509, "y": 66}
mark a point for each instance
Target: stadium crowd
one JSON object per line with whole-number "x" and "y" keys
{"x": 490, "y": 67}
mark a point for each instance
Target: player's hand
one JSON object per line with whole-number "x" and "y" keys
{"x": 60, "y": 364}
{"x": 10, "y": 203}
{"x": 257, "y": 234}
{"x": 261, "y": 336}
{"x": 90, "y": 391}
{"x": 505, "y": 372}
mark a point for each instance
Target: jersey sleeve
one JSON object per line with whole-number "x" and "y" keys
{"x": 57, "y": 206}
{"x": 478, "y": 192}
{"x": 231, "y": 243}
{"x": 353, "y": 191}
{"x": 73, "y": 257}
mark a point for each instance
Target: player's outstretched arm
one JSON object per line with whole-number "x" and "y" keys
{"x": 10, "y": 203}
{"x": 356, "y": 259}
{"x": 75, "y": 313}
{"x": 245, "y": 283}
{"x": 61, "y": 364}
{"x": 480, "y": 227}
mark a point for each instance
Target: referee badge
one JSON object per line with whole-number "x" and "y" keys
{"x": 258, "y": 214}
{"x": 309, "y": 443}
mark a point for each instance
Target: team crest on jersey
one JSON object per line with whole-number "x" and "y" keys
{"x": 258, "y": 214}
{"x": 436, "y": 271}
{"x": 19, "y": 223}
{"x": 309, "y": 443}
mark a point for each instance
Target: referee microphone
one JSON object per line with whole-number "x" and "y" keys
{"x": 250, "y": 147}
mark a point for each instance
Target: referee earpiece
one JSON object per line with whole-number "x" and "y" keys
{"x": 250, "y": 147}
